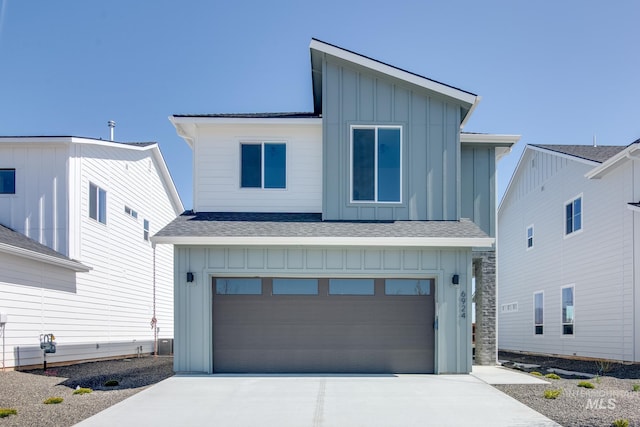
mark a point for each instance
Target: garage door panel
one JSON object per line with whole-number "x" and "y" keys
{"x": 323, "y": 333}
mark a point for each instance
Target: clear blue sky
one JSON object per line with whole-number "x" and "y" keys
{"x": 553, "y": 71}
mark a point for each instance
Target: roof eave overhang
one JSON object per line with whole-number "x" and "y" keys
{"x": 466, "y": 242}
{"x": 501, "y": 143}
{"x": 564, "y": 155}
{"x": 633, "y": 207}
{"x": 48, "y": 259}
{"x": 465, "y": 97}
{"x": 632, "y": 152}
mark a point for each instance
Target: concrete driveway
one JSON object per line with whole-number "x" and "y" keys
{"x": 320, "y": 400}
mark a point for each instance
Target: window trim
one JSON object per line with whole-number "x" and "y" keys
{"x": 535, "y": 325}
{"x": 98, "y": 217}
{"x": 530, "y": 227}
{"x": 262, "y": 144}
{"x": 562, "y": 323}
{"x": 130, "y": 212}
{"x": 15, "y": 179}
{"x": 375, "y": 176}
{"x": 564, "y": 216}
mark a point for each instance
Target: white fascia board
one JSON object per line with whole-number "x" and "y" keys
{"x": 633, "y": 208}
{"x": 467, "y": 116}
{"x": 489, "y": 139}
{"x": 168, "y": 180}
{"x": 372, "y": 64}
{"x": 564, "y": 156}
{"x": 632, "y": 152}
{"x": 246, "y": 120}
{"x": 36, "y": 256}
{"x": 513, "y": 176}
{"x": 448, "y": 242}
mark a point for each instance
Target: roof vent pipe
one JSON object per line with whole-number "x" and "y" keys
{"x": 594, "y": 140}
{"x": 111, "y": 124}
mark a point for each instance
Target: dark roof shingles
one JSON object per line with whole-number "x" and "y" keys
{"x": 19, "y": 240}
{"x": 231, "y": 224}
{"x": 598, "y": 154}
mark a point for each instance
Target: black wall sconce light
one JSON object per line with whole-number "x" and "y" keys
{"x": 455, "y": 279}
{"x": 189, "y": 277}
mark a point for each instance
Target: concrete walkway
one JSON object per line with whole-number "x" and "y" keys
{"x": 498, "y": 375}
{"x": 320, "y": 400}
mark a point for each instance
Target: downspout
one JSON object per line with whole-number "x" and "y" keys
{"x": 154, "y": 320}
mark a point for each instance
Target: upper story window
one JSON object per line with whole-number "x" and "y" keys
{"x": 7, "y": 181}
{"x": 263, "y": 165}
{"x": 131, "y": 212}
{"x": 573, "y": 215}
{"x": 97, "y": 203}
{"x": 376, "y": 153}
{"x": 530, "y": 237}
{"x": 145, "y": 233}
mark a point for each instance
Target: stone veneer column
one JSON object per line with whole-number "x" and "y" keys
{"x": 484, "y": 264}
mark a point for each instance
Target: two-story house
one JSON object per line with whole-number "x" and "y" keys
{"x": 340, "y": 240}
{"x": 569, "y": 254}
{"x": 76, "y": 260}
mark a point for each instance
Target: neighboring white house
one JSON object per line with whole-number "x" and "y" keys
{"x": 569, "y": 253}
{"x": 343, "y": 239}
{"x": 76, "y": 260}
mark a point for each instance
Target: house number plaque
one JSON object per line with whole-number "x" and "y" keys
{"x": 463, "y": 304}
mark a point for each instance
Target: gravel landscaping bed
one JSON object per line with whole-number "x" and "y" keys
{"x": 611, "y": 398}
{"x": 25, "y": 391}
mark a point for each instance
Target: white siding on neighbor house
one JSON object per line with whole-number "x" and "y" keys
{"x": 193, "y": 341}
{"x": 39, "y": 207}
{"x": 216, "y": 154}
{"x": 107, "y": 311}
{"x": 598, "y": 260}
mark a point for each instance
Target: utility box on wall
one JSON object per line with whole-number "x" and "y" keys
{"x": 165, "y": 346}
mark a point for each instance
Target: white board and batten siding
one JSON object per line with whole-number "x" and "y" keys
{"x": 107, "y": 311}
{"x": 216, "y": 155}
{"x": 598, "y": 260}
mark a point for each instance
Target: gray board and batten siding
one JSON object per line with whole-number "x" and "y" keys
{"x": 430, "y": 122}
{"x": 478, "y": 187}
{"x": 195, "y": 301}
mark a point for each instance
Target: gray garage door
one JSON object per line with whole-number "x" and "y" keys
{"x": 323, "y": 325}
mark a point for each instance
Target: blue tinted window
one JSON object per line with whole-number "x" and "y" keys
{"x": 275, "y": 170}
{"x": 389, "y": 165}
{"x": 251, "y": 165}
{"x": 407, "y": 287}
{"x": 351, "y": 287}
{"x": 573, "y": 216}
{"x": 97, "y": 203}
{"x": 295, "y": 287}
{"x": 7, "y": 181}
{"x": 238, "y": 286}
{"x": 363, "y": 164}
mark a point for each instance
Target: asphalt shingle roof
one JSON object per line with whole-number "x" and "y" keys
{"x": 19, "y": 240}
{"x": 598, "y": 154}
{"x": 232, "y": 224}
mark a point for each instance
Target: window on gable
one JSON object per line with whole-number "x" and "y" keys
{"x": 568, "y": 313}
{"x": 538, "y": 313}
{"x": 375, "y": 163}
{"x": 530, "y": 237}
{"x": 573, "y": 216}
{"x": 7, "y": 181}
{"x": 263, "y": 165}
{"x": 97, "y": 203}
{"x": 146, "y": 230}
{"x": 131, "y": 212}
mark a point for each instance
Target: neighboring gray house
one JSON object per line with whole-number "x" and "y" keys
{"x": 569, "y": 253}
{"x": 334, "y": 241}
